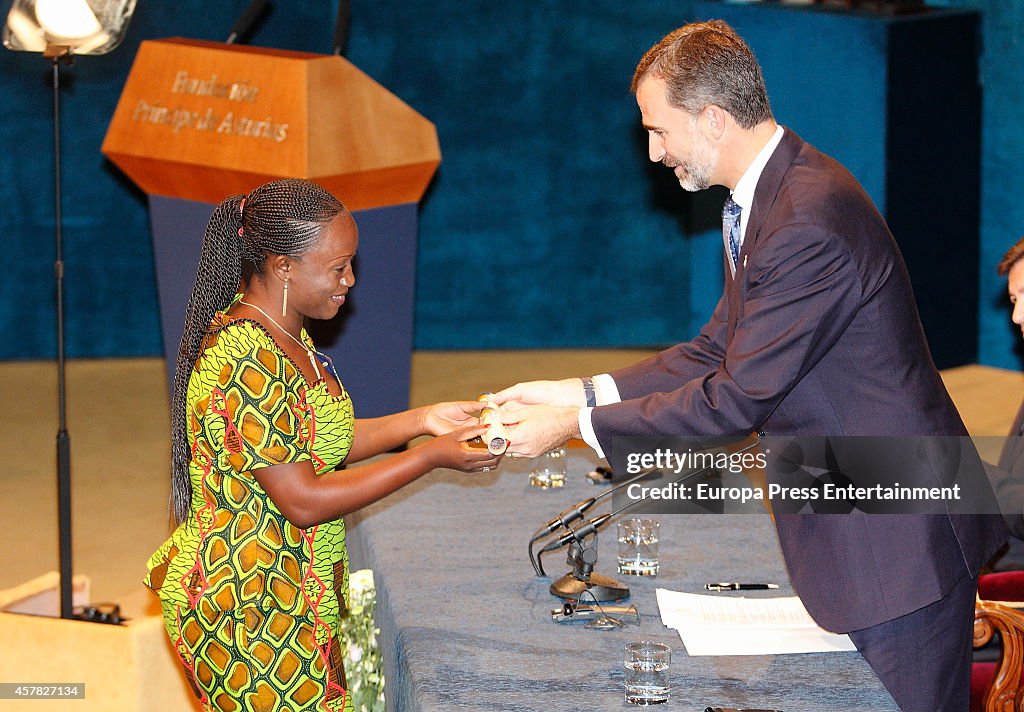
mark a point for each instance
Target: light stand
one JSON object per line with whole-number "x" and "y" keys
{"x": 55, "y": 53}
{"x": 58, "y": 29}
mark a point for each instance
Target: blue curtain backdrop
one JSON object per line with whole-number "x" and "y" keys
{"x": 541, "y": 229}
{"x": 1002, "y": 172}
{"x": 546, "y": 225}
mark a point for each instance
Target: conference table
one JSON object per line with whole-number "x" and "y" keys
{"x": 466, "y": 624}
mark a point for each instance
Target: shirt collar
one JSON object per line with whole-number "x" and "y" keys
{"x": 743, "y": 195}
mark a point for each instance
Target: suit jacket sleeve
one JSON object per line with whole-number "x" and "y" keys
{"x": 802, "y": 289}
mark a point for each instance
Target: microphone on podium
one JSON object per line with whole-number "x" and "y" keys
{"x": 341, "y": 26}
{"x": 247, "y": 20}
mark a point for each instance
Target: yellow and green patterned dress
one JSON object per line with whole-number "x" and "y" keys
{"x": 251, "y": 602}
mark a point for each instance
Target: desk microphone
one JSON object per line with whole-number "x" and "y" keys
{"x": 570, "y": 515}
{"x": 586, "y": 530}
{"x": 577, "y": 511}
{"x": 582, "y": 580}
{"x": 565, "y": 518}
{"x": 583, "y": 557}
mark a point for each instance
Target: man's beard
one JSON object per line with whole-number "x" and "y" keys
{"x": 697, "y": 171}
{"x": 697, "y": 178}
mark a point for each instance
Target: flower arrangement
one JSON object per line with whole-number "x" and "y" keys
{"x": 364, "y": 670}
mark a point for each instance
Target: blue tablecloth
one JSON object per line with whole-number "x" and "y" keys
{"x": 465, "y": 623}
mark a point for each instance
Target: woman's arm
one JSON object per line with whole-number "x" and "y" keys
{"x": 373, "y": 436}
{"x": 306, "y": 499}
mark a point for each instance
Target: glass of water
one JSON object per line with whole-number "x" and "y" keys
{"x": 638, "y": 546}
{"x": 646, "y": 665}
{"x": 549, "y": 469}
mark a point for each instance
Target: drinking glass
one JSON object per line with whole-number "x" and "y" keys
{"x": 646, "y": 665}
{"x": 549, "y": 469}
{"x": 638, "y": 546}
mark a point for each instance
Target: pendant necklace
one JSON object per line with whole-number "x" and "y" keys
{"x": 309, "y": 352}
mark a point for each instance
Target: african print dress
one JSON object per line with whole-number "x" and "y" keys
{"x": 251, "y": 602}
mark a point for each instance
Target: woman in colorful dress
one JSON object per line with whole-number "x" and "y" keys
{"x": 253, "y": 580}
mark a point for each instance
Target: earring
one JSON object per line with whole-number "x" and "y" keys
{"x": 284, "y": 299}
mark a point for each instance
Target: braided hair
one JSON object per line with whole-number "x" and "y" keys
{"x": 284, "y": 217}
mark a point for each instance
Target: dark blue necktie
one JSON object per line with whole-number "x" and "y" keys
{"x": 731, "y": 229}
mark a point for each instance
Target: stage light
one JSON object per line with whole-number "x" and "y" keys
{"x": 82, "y": 26}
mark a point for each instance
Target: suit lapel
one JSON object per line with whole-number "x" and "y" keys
{"x": 768, "y": 185}
{"x": 735, "y": 294}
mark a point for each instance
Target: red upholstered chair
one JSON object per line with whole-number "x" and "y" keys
{"x": 998, "y": 686}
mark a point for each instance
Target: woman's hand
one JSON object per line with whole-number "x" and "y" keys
{"x": 442, "y": 418}
{"x": 454, "y": 450}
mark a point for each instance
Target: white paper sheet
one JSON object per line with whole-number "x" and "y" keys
{"x": 719, "y": 625}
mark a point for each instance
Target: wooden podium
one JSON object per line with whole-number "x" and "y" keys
{"x": 130, "y": 667}
{"x": 198, "y": 121}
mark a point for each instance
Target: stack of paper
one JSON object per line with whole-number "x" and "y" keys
{"x": 716, "y": 625}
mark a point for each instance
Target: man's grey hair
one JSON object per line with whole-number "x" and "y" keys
{"x": 707, "y": 63}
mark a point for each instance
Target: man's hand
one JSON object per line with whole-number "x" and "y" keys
{"x": 535, "y": 429}
{"x": 567, "y": 392}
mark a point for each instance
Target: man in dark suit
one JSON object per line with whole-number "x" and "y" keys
{"x": 816, "y": 334}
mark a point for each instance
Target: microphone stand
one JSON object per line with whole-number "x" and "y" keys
{"x": 582, "y": 557}
{"x": 582, "y": 579}
{"x": 566, "y": 517}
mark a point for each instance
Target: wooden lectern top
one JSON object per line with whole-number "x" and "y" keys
{"x": 204, "y": 120}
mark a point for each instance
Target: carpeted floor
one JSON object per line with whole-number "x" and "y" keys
{"x": 117, "y": 418}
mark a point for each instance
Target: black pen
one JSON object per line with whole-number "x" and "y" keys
{"x": 739, "y": 586}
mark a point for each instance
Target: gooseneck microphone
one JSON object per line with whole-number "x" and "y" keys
{"x": 577, "y": 511}
{"x": 247, "y": 20}
{"x": 570, "y": 515}
{"x": 341, "y": 27}
{"x": 586, "y": 530}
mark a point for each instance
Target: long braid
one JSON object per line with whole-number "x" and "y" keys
{"x": 217, "y": 281}
{"x": 283, "y": 217}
